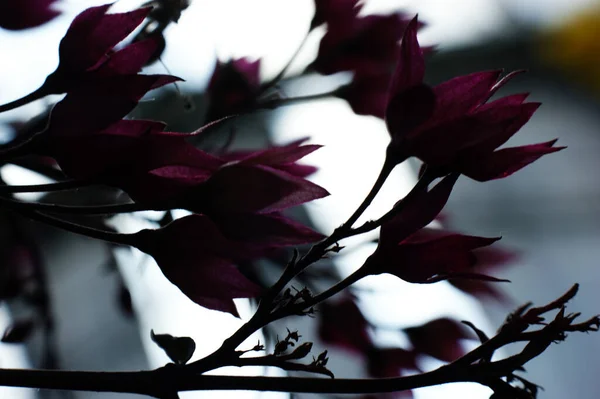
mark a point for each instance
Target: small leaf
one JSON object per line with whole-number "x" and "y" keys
{"x": 18, "y": 332}
{"x": 179, "y": 349}
{"x": 322, "y": 357}
{"x": 293, "y": 335}
{"x": 301, "y": 351}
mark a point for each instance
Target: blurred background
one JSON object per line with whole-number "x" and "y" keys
{"x": 549, "y": 213}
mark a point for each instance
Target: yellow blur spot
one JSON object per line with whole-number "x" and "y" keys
{"x": 574, "y": 47}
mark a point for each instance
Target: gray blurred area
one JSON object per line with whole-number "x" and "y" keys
{"x": 91, "y": 331}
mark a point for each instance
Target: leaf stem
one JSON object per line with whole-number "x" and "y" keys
{"x": 273, "y": 82}
{"x": 117, "y": 238}
{"x": 31, "y": 97}
{"x": 78, "y": 210}
{"x": 281, "y": 102}
{"x": 386, "y": 169}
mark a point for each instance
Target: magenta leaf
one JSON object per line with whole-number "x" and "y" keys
{"x": 282, "y": 158}
{"x": 447, "y": 144}
{"x": 505, "y": 162}
{"x": 161, "y": 169}
{"x": 98, "y": 105}
{"x": 461, "y": 132}
{"x": 92, "y": 35}
{"x": 515, "y": 99}
{"x": 152, "y": 166}
{"x": 233, "y": 87}
{"x": 419, "y": 211}
{"x": 129, "y": 60}
{"x": 194, "y": 256}
{"x": 257, "y": 189}
{"x": 160, "y": 188}
{"x": 497, "y": 126}
{"x": 463, "y": 94}
{"x": 279, "y": 156}
{"x": 87, "y": 53}
{"x": 451, "y": 127}
{"x": 428, "y": 257}
{"x": 298, "y": 170}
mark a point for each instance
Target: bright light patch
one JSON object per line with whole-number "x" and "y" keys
{"x": 16, "y": 175}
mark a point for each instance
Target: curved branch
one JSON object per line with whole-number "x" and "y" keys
{"x": 31, "y": 97}
{"x": 153, "y": 382}
{"x": 76, "y": 209}
{"x": 43, "y": 188}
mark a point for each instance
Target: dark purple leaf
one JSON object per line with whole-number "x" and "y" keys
{"x": 129, "y": 60}
{"x": 280, "y": 157}
{"x": 367, "y": 94}
{"x": 92, "y": 35}
{"x": 505, "y": 162}
{"x": 233, "y": 87}
{"x": 23, "y": 14}
{"x": 439, "y": 338}
{"x": 406, "y": 111}
{"x": 364, "y": 44}
{"x": 463, "y": 94}
{"x": 418, "y": 212}
{"x": 342, "y": 324}
{"x": 194, "y": 256}
{"x": 429, "y": 257}
{"x": 468, "y": 137}
{"x": 335, "y": 11}
{"x": 96, "y": 106}
{"x": 257, "y": 189}
{"x": 410, "y": 69}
